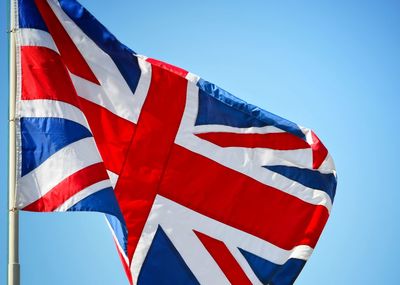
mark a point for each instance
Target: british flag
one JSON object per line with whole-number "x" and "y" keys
{"x": 198, "y": 187}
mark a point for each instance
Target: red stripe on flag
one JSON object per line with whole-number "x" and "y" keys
{"x": 148, "y": 155}
{"x": 279, "y": 141}
{"x": 68, "y": 188}
{"x": 70, "y": 54}
{"x": 225, "y": 260}
{"x": 235, "y": 199}
{"x": 319, "y": 151}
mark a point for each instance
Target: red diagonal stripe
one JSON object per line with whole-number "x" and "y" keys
{"x": 225, "y": 260}
{"x": 70, "y": 54}
{"x": 69, "y": 187}
{"x": 279, "y": 141}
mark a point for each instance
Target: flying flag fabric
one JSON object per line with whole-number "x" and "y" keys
{"x": 198, "y": 186}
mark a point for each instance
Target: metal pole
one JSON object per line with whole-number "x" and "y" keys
{"x": 13, "y": 228}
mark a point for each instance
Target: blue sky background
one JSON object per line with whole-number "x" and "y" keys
{"x": 332, "y": 66}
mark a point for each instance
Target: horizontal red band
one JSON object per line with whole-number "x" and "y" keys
{"x": 279, "y": 141}
{"x": 235, "y": 199}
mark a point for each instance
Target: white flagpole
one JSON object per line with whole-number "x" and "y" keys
{"x": 13, "y": 228}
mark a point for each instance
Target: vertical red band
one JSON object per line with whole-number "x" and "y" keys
{"x": 149, "y": 152}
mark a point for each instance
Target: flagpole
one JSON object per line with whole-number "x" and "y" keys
{"x": 13, "y": 223}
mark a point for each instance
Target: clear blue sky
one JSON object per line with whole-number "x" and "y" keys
{"x": 333, "y": 66}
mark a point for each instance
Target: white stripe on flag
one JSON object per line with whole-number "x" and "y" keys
{"x": 227, "y": 129}
{"x": 328, "y": 165}
{"x": 51, "y": 109}
{"x": 142, "y": 88}
{"x": 113, "y": 177}
{"x": 34, "y": 37}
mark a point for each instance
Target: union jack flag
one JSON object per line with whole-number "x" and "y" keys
{"x": 198, "y": 187}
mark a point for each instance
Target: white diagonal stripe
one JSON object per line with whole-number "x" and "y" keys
{"x": 83, "y": 194}
{"x": 55, "y": 169}
{"x": 113, "y": 92}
